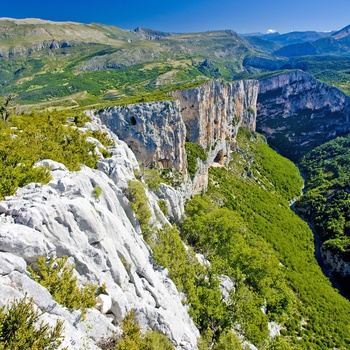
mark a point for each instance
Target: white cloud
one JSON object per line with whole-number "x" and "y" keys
{"x": 271, "y": 31}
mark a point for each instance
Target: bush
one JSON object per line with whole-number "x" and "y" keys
{"x": 139, "y": 203}
{"x": 19, "y": 328}
{"x": 133, "y": 339}
{"x": 26, "y": 139}
{"x": 58, "y": 278}
{"x": 163, "y": 207}
{"x": 194, "y": 151}
{"x": 97, "y": 191}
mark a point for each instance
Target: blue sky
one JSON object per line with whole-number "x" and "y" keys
{"x": 244, "y": 16}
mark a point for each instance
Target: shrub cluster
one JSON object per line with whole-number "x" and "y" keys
{"x": 57, "y": 276}
{"x": 194, "y": 151}
{"x": 26, "y": 139}
{"x": 139, "y": 203}
{"x": 20, "y": 328}
{"x": 133, "y": 339}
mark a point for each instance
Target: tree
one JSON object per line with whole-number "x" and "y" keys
{"x": 4, "y": 111}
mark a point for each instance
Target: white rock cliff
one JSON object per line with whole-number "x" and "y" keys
{"x": 102, "y": 237}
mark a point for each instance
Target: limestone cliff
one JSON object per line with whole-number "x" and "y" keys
{"x": 103, "y": 238}
{"x": 212, "y": 114}
{"x": 297, "y": 113}
{"x": 155, "y": 132}
{"x": 209, "y": 115}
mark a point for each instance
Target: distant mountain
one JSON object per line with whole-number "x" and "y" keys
{"x": 342, "y": 33}
{"x": 296, "y": 37}
{"x": 41, "y": 61}
{"x": 263, "y": 42}
{"x": 332, "y": 43}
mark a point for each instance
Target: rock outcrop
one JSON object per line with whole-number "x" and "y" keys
{"x": 297, "y": 113}
{"x": 212, "y": 114}
{"x": 154, "y": 131}
{"x": 102, "y": 237}
{"x": 335, "y": 263}
{"x": 208, "y": 115}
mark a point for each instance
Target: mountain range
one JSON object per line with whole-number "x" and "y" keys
{"x": 66, "y": 64}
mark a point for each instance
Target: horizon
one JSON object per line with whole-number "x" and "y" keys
{"x": 196, "y": 16}
{"x": 269, "y": 31}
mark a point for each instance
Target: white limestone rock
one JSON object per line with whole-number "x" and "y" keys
{"x": 64, "y": 218}
{"x": 10, "y": 262}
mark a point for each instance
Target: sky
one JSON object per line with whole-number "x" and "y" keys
{"x": 243, "y": 16}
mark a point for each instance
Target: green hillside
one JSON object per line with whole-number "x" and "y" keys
{"x": 74, "y": 65}
{"x": 327, "y": 202}
{"x": 245, "y": 227}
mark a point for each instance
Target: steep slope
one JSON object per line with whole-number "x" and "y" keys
{"x": 101, "y": 235}
{"x": 326, "y": 204}
{"x": 297, "y": 113}
{"x": 209, "y": 116}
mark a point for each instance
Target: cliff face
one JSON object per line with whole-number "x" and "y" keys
{"x": 297, "y": 113}
{"x": 155, "y": 132}
{"x": 209, "y": 115}
{"x": 103, "y": 238}
{"x": 212, "y": 114}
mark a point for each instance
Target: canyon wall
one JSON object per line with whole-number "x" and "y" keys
{"x": 208, "y": 115}
{"x": 297, "y": 113}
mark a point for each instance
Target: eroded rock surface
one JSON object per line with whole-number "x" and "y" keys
{"x": 102, "y": 237}
{"x": 298, "y": 113}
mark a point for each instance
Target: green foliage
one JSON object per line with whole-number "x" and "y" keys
{"x": 163, "y": 207}
{"x": 275, "y": 257}
{"x": 201, "y": 286}
{"x": 251, "y": 110}
{"x": 97, "y": 191}
{"x": 132, "y": 338}
{"x": 156, "y": 341}
{"x": 58, "y": 278}
{"x": 26, "y": 139}
{"x": 139, "y": 203}
{"x": 152, "y": 178}
{"x": 194, "y": 151}
{"x": 102, "y": 137}
{"x": 227, "y": 341}
{"x": 327, "y": 201}
{"x": 20, "y": 328}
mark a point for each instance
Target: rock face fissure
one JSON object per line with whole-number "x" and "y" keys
{"x": 102, "y": 237}
{"x": 297, "y": 113}
{"x": 209, "y": 115}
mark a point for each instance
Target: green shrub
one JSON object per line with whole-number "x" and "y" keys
{"x": 58, "y": 278}
{"x": 194, "y": 151}
{"x": 163, "y": 207}
{"x": 139, "y": 203}
{"x": 97, "y": 191}
{"x": 26, "y": 139}
{"x": 20, "y": 328}
{"x": 102, "y": 137}
{"x": 133, "y": 339}
{"x": 251, "y": 110}
{"x": 152, "y": 178}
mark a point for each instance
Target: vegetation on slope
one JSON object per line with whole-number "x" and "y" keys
{"x": 109, "y": 64}
{"x": 57, "y": 276}
{"x": 327, "y": 201}
{"x": 26, "y": 139}
{"x": 245, "y": 228}
{"x": 20, "y": 328}
{"x": 319, "y": 317}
